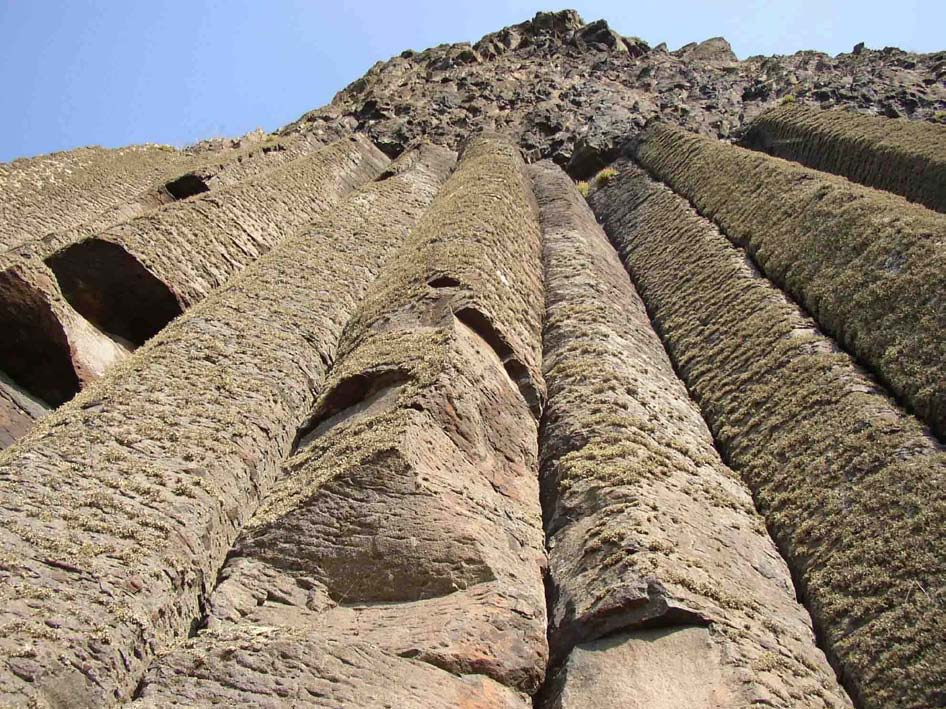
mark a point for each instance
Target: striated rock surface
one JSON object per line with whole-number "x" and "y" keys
{"x": 119, "y": 509}
{"x": 406, "y": 530}
{"x": 868, "y": 265}
{"x": 904, "y": 157}
{"x": 133, "y": 278}
{"x": 645, "y": 524}
{"x": 850, "y": 486}
{"x": 575, "y": 92}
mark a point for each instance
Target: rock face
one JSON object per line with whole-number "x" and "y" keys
{"x": 904, "y": 157}
{"x": 575, "y": 92}
{"x": 868, "y": 265}
{"x": 150, "y": 512}
{"x": 407, "y": 521}
{"x": 645, "y": 525}
{"x": 849, "y": 484}
{"x": 358, "y": 432}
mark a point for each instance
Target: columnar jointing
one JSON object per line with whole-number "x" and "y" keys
{"x": 851, "y": 487}
{"x": 664, "y": 587}
{"x": 119, "y": 509}
{"x": 869, "y": 266}
{"x": 50, "y": 350}
{"x": 399, "y": 560}
{"x": 898, "y": 155}
{"x": 132, "y": 278}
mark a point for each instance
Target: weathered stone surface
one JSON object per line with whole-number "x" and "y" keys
{"x": 47, "y": 348}
{"x": 554, "y": 80}
{"x": 868, "y": 265}
{"x": 18, "y": 411}
{"x": 118, "y": 509}
{"x": 135, "y": 276}
{"x": 207, "y": 170}
{"x": 897, "y": 155}
{"x": 645, "y": 524}
{"x": 850, "y": 486}
{"x": 407, "y": 525}
{"x": 61, "y": 190}
{"x": 667, "y": 668}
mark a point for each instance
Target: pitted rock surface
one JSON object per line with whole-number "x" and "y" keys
{"x": 645, "y": 524}
{"x": 849, "y": 484}
{"x": 408, "y": 519}
{"x": 155, "y": 468}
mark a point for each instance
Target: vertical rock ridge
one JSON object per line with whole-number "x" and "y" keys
{"x": 850, "y": 486}
{"x": 406, "y": 526}
{"x": 155, "y": 468}
{"x": 869, "y": 266}
{"x": 646, "y": 527}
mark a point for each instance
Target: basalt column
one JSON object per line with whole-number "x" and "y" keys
{"x": 906, "y": 157}
{"x": 399, "y": 560}
{"x": 851, "y": 486}
{"x": 868, "y": 265}
{"x": 131, "y": 279}
{"x": 664, "y": 588}
{"x": 119, "y": 509}
{"x": 50, "y": 350}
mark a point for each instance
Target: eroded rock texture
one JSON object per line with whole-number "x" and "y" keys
{"x": 904, "y": 157}
{"x": 575, "y": 92}
{"x": 405, "y": 533}
{"x": 868, "y": 265}
{"x": 134, "y": 277}
{"x": 118, "y": 510}
{"x": 646, "y": 526}
{"x": 850, "y": 486}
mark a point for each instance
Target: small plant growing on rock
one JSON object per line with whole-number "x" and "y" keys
{"x": 584, "y": 188}
{"x": 788, "y": 99}
{"x": 940, "y": 116}
{"x": 605, "y": 176}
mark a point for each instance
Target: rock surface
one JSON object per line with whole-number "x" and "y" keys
{"x": 155, "y": 468}
{"x": 869, "y": 266}
{"x": 905, "y": 157}
{"x": 850, "y": 486}
{"x": 407, "y": 522}
{"x": 645, "y": 525}
{"x": 575, "y": 92}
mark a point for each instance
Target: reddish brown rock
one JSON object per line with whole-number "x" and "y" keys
{"x": 850, "y": 486}
{"x": 407, "y": 524}
{"x": 119, "y": 509}
{"x": 645, "y": 524}
{"x": 18, "y": 411}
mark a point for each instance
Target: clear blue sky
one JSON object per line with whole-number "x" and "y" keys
{"x": 114, "y": 72}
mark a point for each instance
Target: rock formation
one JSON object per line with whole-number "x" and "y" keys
{"x": 375, "y": 413}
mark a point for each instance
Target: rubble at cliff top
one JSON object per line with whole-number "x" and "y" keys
{"x": 573, "y": 92}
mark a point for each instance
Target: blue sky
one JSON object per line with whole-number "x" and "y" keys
{"x": 114, "y": 72}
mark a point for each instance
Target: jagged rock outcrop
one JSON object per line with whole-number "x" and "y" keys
{"x": 868, "y": 265}
{"x": 904, "y": 157}
{"x": 849, "y": 484}
{"x": 575, "y": 92}
{"x": 155, "y": 468}
{"x": 645, "y": 525}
